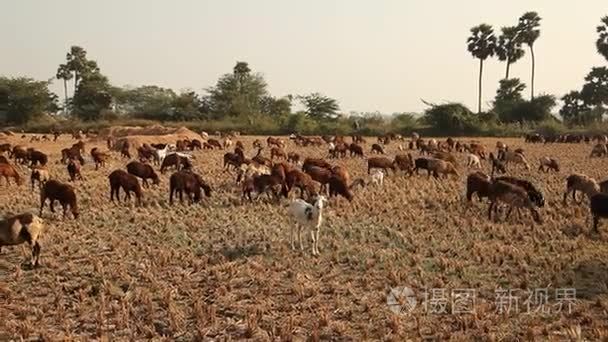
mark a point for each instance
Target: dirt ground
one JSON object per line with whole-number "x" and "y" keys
{"x": 224, "y": 270}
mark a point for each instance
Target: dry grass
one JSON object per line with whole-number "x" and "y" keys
{"x": 225, "y": 269}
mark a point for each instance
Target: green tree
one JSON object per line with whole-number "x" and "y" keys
{"x": 23, "y": 99}
{"x": 186, "y": 107}
{"x": 64, "y": 73}
{"x": 574, "y": 109}
{"x": 319, "y": 107}
{"x": 507, "y": 97}
{"x": 146, "y": 102}
{"x": 274, "y": 107}
{"x": 535, "y": 110}
{"x": 602, "y": 40}
{"x": 595, "y": 90}
{"x": 481, "y": 44}
{"x": 450, "y": 118}
{"x": 93, "y": 95}
{"x": 78, "y": 63}
{"x": 237, "y": 94}
{"x": 529, "y": 32}
{"x": 509, "y": 47}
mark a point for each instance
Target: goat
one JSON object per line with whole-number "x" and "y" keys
{"x": 18, "y": 229}
{"x": 599, "y": 150}
{"x": 517, "y": 158}
{"x": 37, "y": 157}
{"x": 308, "y": 215}
{"x": 8, "y": 171}
{"x": 72, "y": 153}
{"x": 74, "y": 171}
{"x": 377, "y": 177}
{"x": 580, "y": 182}
{"x": 547, "y": 164}
{"x": 176, "y": 159}
{"x": 380, "y": 163}
{"x": 535, "y": 195}
{"x": 277, "y": 152}
{"x": 376, "y": 148}
{"x": 512, "y": 195}
{"x": 308, "y": 162}
{"x": 128, "y": 182}
{"x": 64, "y": 193}
{"x": 422, "y": 163}
{"x": 301, "y": 180}
{"x": 98, "y": 157}
{"x": 478, "y": 183}
{"x": 250, "y": 170}
{"x": 447, "y": 156}
{"x": 263, "y": 184}
{"x": 497, "y": 165}
{"x": 439, "y": 166}
{"x": 599, "y": 208}
{"x": 190, "y": 183}
{"x": 338, "y": 186}
{"x": 39, "y": 175}
{"x": 321, "y": 175}
{"x": 355, "y": 150}
{"x": 214, "y": 143}
{"x": 143, "y": 171}
{"x": 404, "y": 162}
{"x": 473, "y": 161}
{"x": 293, "y": 157}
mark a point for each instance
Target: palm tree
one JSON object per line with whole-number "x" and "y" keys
{"x": 64, "y": 73}
{"x": 481, "y": 44}
{"x": 602, "y": 40}
{"x": 529, "y": 32}
{"x": 509, "y": 48}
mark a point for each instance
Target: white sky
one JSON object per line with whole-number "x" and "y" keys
{"x": 370, "y": 55}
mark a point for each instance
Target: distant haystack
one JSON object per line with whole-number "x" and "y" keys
{"x": 137, "y": 136}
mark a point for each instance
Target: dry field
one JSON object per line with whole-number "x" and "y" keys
{"x": 224, "y": 270}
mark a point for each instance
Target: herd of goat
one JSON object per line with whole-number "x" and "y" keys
{"x": 277, "y": 176}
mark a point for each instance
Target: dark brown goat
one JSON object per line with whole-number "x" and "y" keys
{"x": 300, "y": 180}
{"x": 37, "y": 157}
{"x": 338, "y": 186}
{"x": 478, "y": 183}
{"x": 143, "y": 171}
{"x": 188, "y": 182}
{"x": 128, "y": 183}
{"x": 64, "y": 193}
{"x": 214, "y": 143}
{"x": 376, "y": 148}
{"x": 74, "y": 170}
{"x": 355, "y": 150}
{"x": 270, "y": 184}
{"x": 72, "y": 153}
{"x": 173, "y": 159}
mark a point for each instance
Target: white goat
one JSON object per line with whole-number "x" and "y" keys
{"x": 22, "y": 228}
{"x": 162, "y": 153}
{"x": 473, "y": 161}
{"x": 377, "y": 177}
{"x": 309, "y": 215}
{"x": 204, "y": 135}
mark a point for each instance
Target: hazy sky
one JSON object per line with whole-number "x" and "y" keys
{"x": 370, "y": 55}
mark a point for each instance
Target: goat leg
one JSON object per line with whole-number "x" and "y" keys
{"x": 300, "y": 237}
{"x": 314, "y": 242}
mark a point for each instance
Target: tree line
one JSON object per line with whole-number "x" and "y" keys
{"x": 241, "y": 98}
{"x": 580, "y": 107}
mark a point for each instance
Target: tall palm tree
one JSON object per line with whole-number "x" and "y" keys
{"x": 509, "y": 48}
{"x": 602, "y": 40}
{"x": 529, "y": 32}
{"x": 481, "y": 44}
{"x": 64, "y": 73}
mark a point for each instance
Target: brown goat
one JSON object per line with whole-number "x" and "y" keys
{"x": 98, "y": 157}
{"x": 143, "y": 171}
{"x": 338, "y": 186}
{"x": 376, "y": 148}
{"x": 277, "y": 152}
{"x": 72, "y": 153}
{"x": 320, "y": 175}
{"x": 380, "y": 163}
{"x": 173, "y": 159}
{"x": 40, "y": 175}
{"x": 188, "y": 182}
{"x": 8, "y": 171}
{"x": 478, "y": 183}
{"x": 64, "y": 193}
{"x": 270, "y": 184}
{"x": 308, "y": 162}
{"x": 37, "y": 157}
{"x": 128, "y": 183}
{"x": 355, "y": 150}
{"x": 74, "y": 171}
{"x": 293, "y": 157}
{"x": 301, "y": 180}
{"x": 214, "y": 143}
